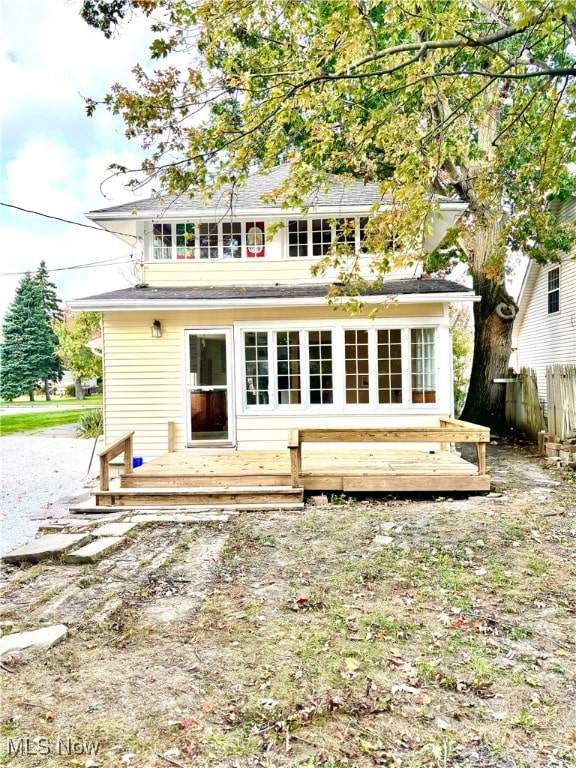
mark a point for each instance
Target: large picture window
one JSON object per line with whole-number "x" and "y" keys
{"x": 354, "y": 368}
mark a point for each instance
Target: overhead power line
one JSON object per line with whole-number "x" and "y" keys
{"x": 66, "y": 221}
{"x": 117, "y": 261}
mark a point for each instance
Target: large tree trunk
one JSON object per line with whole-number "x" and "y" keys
{"x": 493, "y": 321}
{"x": 78, "y": 388}
{"x": 47, "y": 389}
{"x": 31, "y": 395}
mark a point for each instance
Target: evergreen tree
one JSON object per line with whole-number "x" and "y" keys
{"x": 27, "y": 349}
{"x": 53, "y": 313}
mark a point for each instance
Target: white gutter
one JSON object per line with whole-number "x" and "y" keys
{"x": 218, "y": 212}
{"x": 149, "y": 305}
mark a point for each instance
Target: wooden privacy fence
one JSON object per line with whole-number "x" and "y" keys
{"x": 523, "y": 409}
{"x": 561, "y": 397}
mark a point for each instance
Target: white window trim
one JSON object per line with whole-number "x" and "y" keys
{"x": 196, "y": 258}
{"x": 330, "y": 217}
{"x": 339, "y": 405}
{"x": 556, "y": 312}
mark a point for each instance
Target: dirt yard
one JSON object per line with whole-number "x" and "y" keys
{"x": 397, "y": 631}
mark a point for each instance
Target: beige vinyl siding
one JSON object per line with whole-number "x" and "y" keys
{"x": 271, "y": 433}
{"x": 256, "y": 271}
{"x": 547, "y": 339}
{"x": 145, "y": 387}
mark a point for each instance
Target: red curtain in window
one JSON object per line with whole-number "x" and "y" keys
{"x": 255, "y": 241}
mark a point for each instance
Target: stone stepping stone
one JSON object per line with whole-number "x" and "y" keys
{"x": 194, "y": 518}
{"x": 36, "y": 638}
{"x": 95, "y": 550}
{"x": 46, "y": 547}
{"x": 113, "y": 529}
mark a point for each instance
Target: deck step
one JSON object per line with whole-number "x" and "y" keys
{"x": 213, "y": 496}
{"x": 185, "y": 509}
{"x": 140, "y": 479}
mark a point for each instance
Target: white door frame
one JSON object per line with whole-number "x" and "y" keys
{"x": 189, "y": 386}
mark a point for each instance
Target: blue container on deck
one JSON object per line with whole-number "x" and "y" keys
{"x": 137, "y": 461}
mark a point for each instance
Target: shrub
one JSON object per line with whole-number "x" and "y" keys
{"x": 70, "y": 390}
{"x": 90, "y": 424}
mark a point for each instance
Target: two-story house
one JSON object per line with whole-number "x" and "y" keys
{"x": 228, "y": 338}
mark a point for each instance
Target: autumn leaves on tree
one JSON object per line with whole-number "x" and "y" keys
{"x": 455, "y": 98}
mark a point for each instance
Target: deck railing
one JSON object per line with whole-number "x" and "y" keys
{"x": 448, "y": 431}
{"x": 123, "y": 445}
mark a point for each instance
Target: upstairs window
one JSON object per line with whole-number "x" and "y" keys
{"x": 554, "y": 290}
{"x": 207, "y": 240}
{"x": 315, "y": 237}
{"x": 185, "y": 240}
{"x": 162, "y": 241}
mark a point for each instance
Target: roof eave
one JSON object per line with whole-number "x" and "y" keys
{"x": 148, "y": 305}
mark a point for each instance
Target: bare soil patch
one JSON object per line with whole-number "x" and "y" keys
{"x": 392, "y": 631}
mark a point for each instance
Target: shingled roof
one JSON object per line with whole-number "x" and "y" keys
{"x": 249, "y": 295}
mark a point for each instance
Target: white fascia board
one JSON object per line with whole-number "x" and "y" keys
{"x": 151, "y": 305}
{"x": 217, "y": 214}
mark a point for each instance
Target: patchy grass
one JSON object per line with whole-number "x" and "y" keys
{"x": 12, "y": 423}
{"x": 317, "y": 645}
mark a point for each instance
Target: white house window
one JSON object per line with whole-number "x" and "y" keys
{"x": 207, "y": 240}
{"x": 321, "y": 236}
{"x": 256, "y": 368}
{"x": 162, "y": 241}
{"x": 554, "y": 290}
{"x": 320, "y": 360}
{"x": 423, "y": 365}
{"x": 288, "y": 367}
{"x": 297, "y": 368}
{"x": 231, "y": 239}
{"x": 315, "y": 237}
{"x": 298, "y": 238}
{"x": 185, "y": 240}
{"x": 389, "y": 366}
{"x": 357, "y": 362}
{"x": 302, "y": 363}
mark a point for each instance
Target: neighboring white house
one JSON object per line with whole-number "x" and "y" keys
{"x": 229, "y": 337}
{"x": 545, "y": 326}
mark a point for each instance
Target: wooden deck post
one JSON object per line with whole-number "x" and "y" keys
{"x": 295, "y": 456}
{"x": 171, "y": 436}
{"x": 481, "y": 453}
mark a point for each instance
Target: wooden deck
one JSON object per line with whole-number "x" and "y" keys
{"x": 341, "y": 460}
{"x": 353, "y": 470}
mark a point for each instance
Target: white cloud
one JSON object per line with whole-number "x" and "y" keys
{"x": 55, "y": 158}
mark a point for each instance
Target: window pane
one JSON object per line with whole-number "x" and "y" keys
{"x": 356, "y": 361}
{"x": 346, "y": 233}
{"x": 554, "y": 290}
{"x": 320, "y": 356}
{"x": 231, "y": 240}
{"x": 208, "y": 241}
{"x": 321, "y": 236}
{"x": 256, "y": 368}
{"x": 162, "y": 241}
{"x": 185, "y": 241}
{"x": 389, "y": 366}
{"x": 288, "y": 354}
{"x": 423, "y": 365}
{"x": 297, "y": 238}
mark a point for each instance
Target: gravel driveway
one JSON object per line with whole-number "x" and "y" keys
{"x": 41, "y": 473}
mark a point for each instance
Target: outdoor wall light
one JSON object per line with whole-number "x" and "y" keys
{"x": 156, "y": 329}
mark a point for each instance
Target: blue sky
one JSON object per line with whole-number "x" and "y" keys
{"x": 54, "y": 158}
